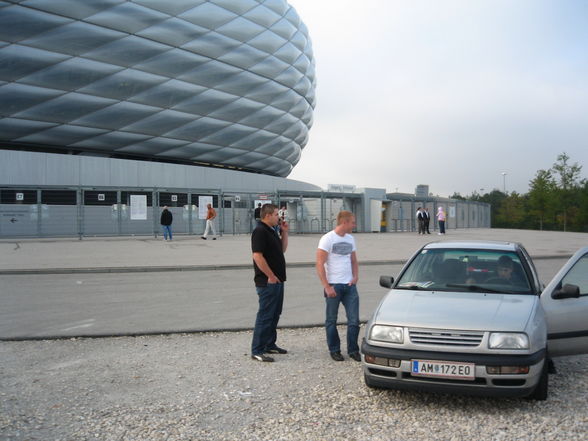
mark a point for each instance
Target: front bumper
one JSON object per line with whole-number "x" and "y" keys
{"x": 513, "y": 385}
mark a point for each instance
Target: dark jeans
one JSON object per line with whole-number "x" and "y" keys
{"x": 346, "y": 294}
{"x": 271, "y": 299}
{"x": 442, "y": 227}
{"x": 167, "y": 231}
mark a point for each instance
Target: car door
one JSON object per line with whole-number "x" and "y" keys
{"x": 566, "y": 307}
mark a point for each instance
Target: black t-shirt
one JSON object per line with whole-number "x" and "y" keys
{"x": 266, "y": 241}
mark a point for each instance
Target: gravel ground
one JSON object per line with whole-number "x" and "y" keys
{"x": 205, "y": 387}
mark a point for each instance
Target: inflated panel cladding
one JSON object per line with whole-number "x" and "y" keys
{"x": 225, "y": 82}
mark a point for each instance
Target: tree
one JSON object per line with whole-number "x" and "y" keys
{"x": 541, "y": 195}
{"x": 568, "y": 181}
{"x": 511, "y": 212}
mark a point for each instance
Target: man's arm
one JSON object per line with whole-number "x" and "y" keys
{"x": 354, "y": 269}
{"x": 321, "y": 259}
{"x": 264, "y": 267}
{"x": 284, "y": 228}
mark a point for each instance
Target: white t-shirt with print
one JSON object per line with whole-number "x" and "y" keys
{"x": 338, "y": 264}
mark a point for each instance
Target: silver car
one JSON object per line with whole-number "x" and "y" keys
{"x": 473, "y": 318}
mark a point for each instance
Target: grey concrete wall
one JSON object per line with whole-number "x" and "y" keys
{"x": 43, "y": 169}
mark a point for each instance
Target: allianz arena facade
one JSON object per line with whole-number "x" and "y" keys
{"x": 224, "y": 83}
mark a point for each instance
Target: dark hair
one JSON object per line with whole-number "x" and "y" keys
{"x": 267, "y": 209}
{"x": 505, "y": 262}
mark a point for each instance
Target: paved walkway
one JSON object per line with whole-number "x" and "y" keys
{"x": 192, "y": 253}
{"x": 55, "y": 288}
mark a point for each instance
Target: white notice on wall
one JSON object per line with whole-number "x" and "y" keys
{"x": 203, "y": 201}
{"x": 451, "y": 211}
{"x": 138, "y": 207}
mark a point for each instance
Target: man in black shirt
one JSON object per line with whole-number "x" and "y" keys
{"x": 269, "y": 265}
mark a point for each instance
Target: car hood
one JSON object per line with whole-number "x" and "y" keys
{"x": 456, "y": 310}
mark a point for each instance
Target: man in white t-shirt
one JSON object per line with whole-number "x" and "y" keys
{"x": 338, "y": 271}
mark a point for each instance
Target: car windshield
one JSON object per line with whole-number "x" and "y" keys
{"x": 467, "y": 270}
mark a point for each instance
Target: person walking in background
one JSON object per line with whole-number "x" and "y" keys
{"x": 210, "y": 216}
{"x": 420, "y": 220}
{"x": 338, "y": 271}
{"x": 257, "y": 213}
{"x": 441, "y": 219}
{"x": 426, "y": 221}
{"x": 166, "y": 223}
{"x": 269, "y": 266}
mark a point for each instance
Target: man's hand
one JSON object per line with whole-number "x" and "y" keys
{"x": 330, "y": 291}
{"x": 284, "y": 227}
{"x": 273, "y": 279}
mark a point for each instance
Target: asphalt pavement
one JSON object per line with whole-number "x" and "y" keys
{"x": 62, "y": 288}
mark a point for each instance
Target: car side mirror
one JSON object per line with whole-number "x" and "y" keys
{"x": 386, "y": 281}
{"x": 568, "y": 291}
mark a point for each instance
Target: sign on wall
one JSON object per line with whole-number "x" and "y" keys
{"x": 138, "y": 207}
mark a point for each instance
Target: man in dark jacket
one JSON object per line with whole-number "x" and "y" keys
{"x": 166, "y": 222}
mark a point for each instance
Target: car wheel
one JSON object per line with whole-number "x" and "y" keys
{"x": 369, "y": 382}
{"x": 540, "y": 392}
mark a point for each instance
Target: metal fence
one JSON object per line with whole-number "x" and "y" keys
{"x": 96, "y": 211}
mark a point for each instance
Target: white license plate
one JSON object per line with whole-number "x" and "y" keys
{"x": 443, "y": 369}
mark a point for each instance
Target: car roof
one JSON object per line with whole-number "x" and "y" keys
{"x": 474, "y": 244}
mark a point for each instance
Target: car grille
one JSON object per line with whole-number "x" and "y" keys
{"x": 445, "y": 337}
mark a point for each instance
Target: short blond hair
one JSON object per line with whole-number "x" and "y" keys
{"x": 344, "y": 216}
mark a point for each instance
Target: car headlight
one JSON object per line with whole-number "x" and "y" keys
{"x": 508, "y": 340}
{"x": 389, "y": 334}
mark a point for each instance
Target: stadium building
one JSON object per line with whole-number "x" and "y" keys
{"x": 112, "y": 109}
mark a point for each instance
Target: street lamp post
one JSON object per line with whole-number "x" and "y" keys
{"x": 503, "y": 182}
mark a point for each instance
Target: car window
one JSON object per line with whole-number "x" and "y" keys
{"x": 578, "y": 275}
{"x": 466, "y": 270}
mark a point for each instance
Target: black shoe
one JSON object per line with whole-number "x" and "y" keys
{"x": 337, "y": 356}
{"x": 214, "y": 238}
{"x": 202, "y": 237}
{"x": 355, "y": 356}
{"x": 276, "y": 350}
{"x": 262, "y": 357}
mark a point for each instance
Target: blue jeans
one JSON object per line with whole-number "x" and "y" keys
{"x": 271, "y": 300}
{"x": 347, "y": 295}
{"x": 167, "y": 231}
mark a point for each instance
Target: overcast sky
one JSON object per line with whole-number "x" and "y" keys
{"x": 445, "y": 93}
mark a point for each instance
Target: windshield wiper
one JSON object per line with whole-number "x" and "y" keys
{"x": 476, "y": 288}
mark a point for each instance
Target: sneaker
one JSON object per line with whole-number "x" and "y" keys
{"x": 262, "y": 357}
{"x": 355, "y": 356}
{"x": 214, "y": 238}
{"x": 337, "y": 356}
{"x": 202, "y": 237}
{"x": 276, "y": 350}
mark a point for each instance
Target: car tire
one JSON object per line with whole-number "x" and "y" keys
{"x": 541, "y": 390}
